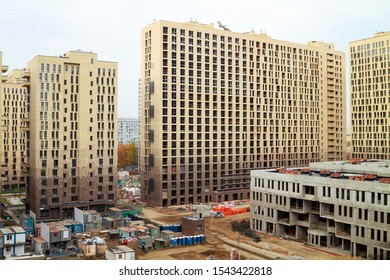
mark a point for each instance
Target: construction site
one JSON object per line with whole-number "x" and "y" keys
{"x": 222, "y": 243}
{"x": 185, "y": 232}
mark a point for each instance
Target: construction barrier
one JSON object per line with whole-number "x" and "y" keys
{"x": 227, "y": 211}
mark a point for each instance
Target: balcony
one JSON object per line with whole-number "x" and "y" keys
{"x": 26, "y": 75}
{"x": 343, "y": 234}
{"x": 26, "y": 84}
{"x": 298, "y": 209}
{"x": 284, "y": 221}
{"x": 4, "y": 68}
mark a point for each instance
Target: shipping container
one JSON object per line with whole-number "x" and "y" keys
{"x": 145, "y": 239}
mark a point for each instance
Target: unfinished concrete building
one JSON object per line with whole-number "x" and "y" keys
{"x": 332, "y": 204}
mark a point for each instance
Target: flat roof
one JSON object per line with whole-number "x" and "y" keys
{"x": 348, "y": 170}
{"x": 124, "y": 248}
{"x": 39, "y": 240}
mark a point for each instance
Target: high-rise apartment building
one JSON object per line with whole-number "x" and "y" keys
{"x": 73, "y": 133}
{"x": 370, "y": 96}
{"x": 14, "y": 132}
{"x": 216, "y": 104}
{"x": 128, "y": 131}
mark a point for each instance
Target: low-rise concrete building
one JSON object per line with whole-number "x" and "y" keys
{"x": 332, "y": 204}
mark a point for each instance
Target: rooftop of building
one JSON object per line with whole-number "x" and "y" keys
{"x": 261, "y": 34}
{"x": 12, "y": 230}
{"x": 353, "y": 169}
{"x": 120, "y": 249}
{"x": 376, "y": 36}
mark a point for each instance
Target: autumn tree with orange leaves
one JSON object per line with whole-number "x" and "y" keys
{"x": 127, "y": 155}
{"x": 122, "y": 159}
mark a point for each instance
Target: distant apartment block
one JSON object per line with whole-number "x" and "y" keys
{"x": 370, "y": 96}
{"x": 128, "y": 131}
{"x": 216, "y": 104}
{"x": 329, "y": 204}
{"x": 59, "y": 133}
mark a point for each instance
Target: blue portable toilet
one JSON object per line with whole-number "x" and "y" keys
{"x": 189, "y": 240}
{"x": 175, "y": 228}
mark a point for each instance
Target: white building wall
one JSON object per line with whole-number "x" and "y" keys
{"x": 20, "y": 238}
{"x": 19, "y": 250}
{"x": 45, "y": 232}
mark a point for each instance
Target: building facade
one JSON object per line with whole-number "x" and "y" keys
{"x": 370, "y": 96}
{"x": 73, "y": 130}
{"x": 216, "y": 104}
{"x": 333, "y": 204}
{"x": 14, "y": 132}
{"x": 128, "y": 131}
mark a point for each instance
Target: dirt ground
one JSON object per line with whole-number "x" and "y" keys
{"x": 220, "y": 239}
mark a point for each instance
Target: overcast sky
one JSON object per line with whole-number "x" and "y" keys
{"x": 112, "y": 28}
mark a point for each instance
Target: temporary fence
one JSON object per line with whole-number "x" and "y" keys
{"x": 227, "y": 211}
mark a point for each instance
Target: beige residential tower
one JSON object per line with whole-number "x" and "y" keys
{"x": 216, "y": 104}
{"x": 370, "y": 96}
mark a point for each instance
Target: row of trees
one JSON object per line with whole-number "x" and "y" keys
{"x": 127, "y": 155}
